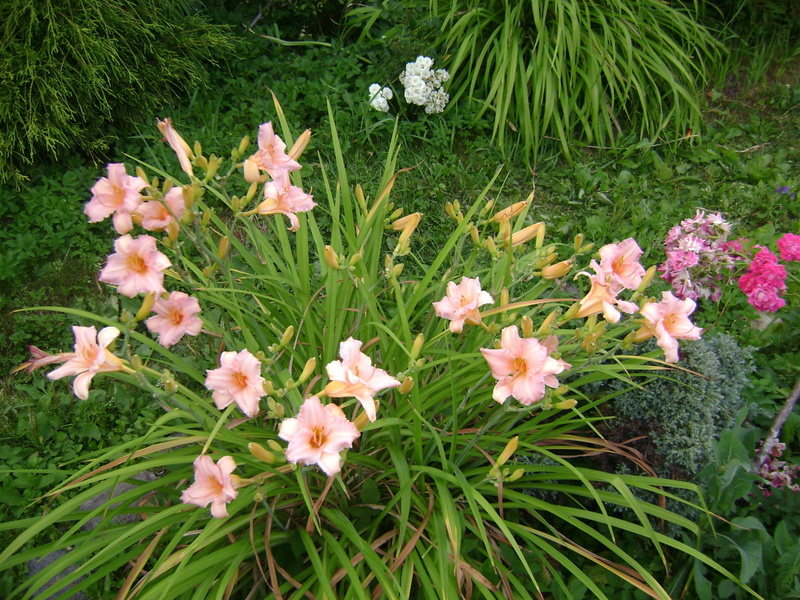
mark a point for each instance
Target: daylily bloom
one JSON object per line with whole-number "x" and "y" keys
{"x": 117, "y": 194}
{"x": 156, "y": 215}
{"x": 271, "y": 155}
{"x": 91, "y": 356}
{"x": 461, "y": 303}
{"x": 136, "y": 267}
{"x": 178, "y": 144}
{"x": 669, "y": 322}
{"x": 602, "y": 297}
{"x": 620, "y": 262}
{"x": 175, "y": 317}
{"x": 318, "y": 435}
{"x": 523, "y": 367}
{"x": 355, "y": 377}
{"x": 212, "y": 485}
{"x": 281, "y": 197}
{"x": 238, "y": 379}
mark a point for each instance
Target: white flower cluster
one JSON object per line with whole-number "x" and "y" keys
{"x": 424, "y": 85}
{"x": 379, "y": 98}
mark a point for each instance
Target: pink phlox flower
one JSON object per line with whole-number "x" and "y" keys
{"x": 157, "y": 215}
{"x": 355, "y": 377}
{"x": 460, "y": 304}
{"x": 271, "y": 155}
{"x": 620, "y": 262}
{"x": 602, "y": 297}
{"x": 669, "y": 322}
{"x": 764, "y": 297}
{"x": 91, "y": 356}
{"x": 136, "y": 267}
{"x": 789, "y": 246}
{"x": 522, "y": 367}
{"x": 318, "y": 435}
{"x": 117, "y": 194}
{"x": 177, "y": 143}
{"x": 213, "y": 485}
{"x": 691, "y": 243}
{"x": 175, "y": 317}
{"x": 238, "y": 379}
{"x": 281, "y": 197}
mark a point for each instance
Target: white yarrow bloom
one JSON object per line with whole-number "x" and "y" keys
{"x": 379, "y": 98}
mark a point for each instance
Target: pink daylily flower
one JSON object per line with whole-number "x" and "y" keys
{"x": 523, "y": 367}
{"x": 355, "y": 377}
{"x": 669, "y": 322}
{"x": 281, "y": 197}
{"x": 136, "y": 267}
{"x": 181, "y": 148}
{"x": 318, "y": 435}
{"x": 156, "y": 216}
{"x": 620, "y": 262}
{"x": 212, "y": 485}
{"x": 117, "y": 194}
{"x": 91, "y": 356}
{"x": 271, "y": 156}
{"x": 602, "y": 297}
{"x": 460, "y": 304}
{"x": 238, "y": 379}
{"x": 175, "y": 317}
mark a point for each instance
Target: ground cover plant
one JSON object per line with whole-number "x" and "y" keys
{"x": 743, "y": 164}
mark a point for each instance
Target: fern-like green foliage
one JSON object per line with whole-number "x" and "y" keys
{"x": 685, "y": 411}
{"x": 585, "y": 70}
{"x": 71, "y": 68}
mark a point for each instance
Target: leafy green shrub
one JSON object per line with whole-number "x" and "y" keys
{"x": 576, "y": 69}
{"x": 69, "y": 68}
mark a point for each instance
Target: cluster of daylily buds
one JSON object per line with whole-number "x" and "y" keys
{"x": 524, "y": 363}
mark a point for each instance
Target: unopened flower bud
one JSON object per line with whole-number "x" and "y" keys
{"x": 527, "y": 234}
{"x": 510, "y": 212}
{"x": 527, "y": 326}
{"x": 587, "y": 247}
{"x": 155, "y": 182}
{"x": 260, "y": 452}
{"x": 141, "y": 174}
{"x": 565, "y": 404}
{"x": 287, "y": 335}
{"x": 173, "y": 229}
{"x": 308, "y": 370}
{"x": 275, "y": 409}
{"x": 416, "y": 348}
{"x": 576, "y": 245}
{"x": 647, "y": 278}
{"x": 504, "y": 296}
{"x": 300, "y": 145}
{"x": 457, "y": 206}
{"x": 222, "y": 250}
{"x": 545, "y": 260}
{"x": 519, "y": 472}
{"x": 406, "y": 226}
{"x": 487, "y": 207}
{"x": 268, "y": 387}
{"x": 147, "y": 306}
{"x": 188, "y": 197}
{"x": 557, "y": 270}
{"x": 243, "y": 145}
{"x": 397, "y": 269}
{"x": 362, "y": 201}
{"x": 201, "y": 161}
{"x": 252, "y": 174}
{"x": 571, "y": 311}
{"x": 546, "y": 328}
{"x": 251, "y": 192}
{"x": 126, "y": 317}
{"x": 136, "y": 362}
{"x": 331, "y": 259}
{"x": 490, "y": 246}
{"x": 206, "y": 219}
{"x": 395, "y": 215}
{"x": 213, "y": 167}
{"x": 406, "y": 386}
{"x": 361, "y": 420}
{"x": 510, "y": 448}
{"x": 504, "y": 232}
{"x": 198, "y": 149}
{"x": 355, "y": 259}
{"x": 448, "y": 208}
{"x": 474, "y": 234}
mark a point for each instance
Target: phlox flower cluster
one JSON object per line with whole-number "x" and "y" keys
{"x": 379, "y": 97}
{"x": 777, "y": 473}
{"x": 764, "y": 282}
{"x": 423, "y": 85}
{"x": 699, "y": 256}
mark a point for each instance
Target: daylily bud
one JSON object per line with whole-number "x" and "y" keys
{"x": 355, "y": 259}
{"x": 236, "y": 204}
{"x": 362, "y": 201}
{"x": 243, "y": 145}
{"x": 198, "y": 149}
{"x": 407, "y": 225}
{"x": 206, "y": 218}
{"x": 260, "y": 452}
{"x": 490, "y": 246}
{"x": 587, "y": 247}
{"x": 275, "y": 409}
{"x": 308, "y": 370}
{"x": 510, "y": 448}
{"x": 504, "y": 296}
{"x": 396, "y": 215}
{"x": 487, "y": 207}
{"x": 275, "y": 445}
{"x": 474, "y": 234}
{"x": 155, "y": 182}
{"x": 576, "y": 245}
{"x": 224, "y": 244}
{"x": 416, "y": 348}
{"x": 251, "y": 172}
{"x": 504, "y": 232}
{"x": 545, "y": 260}
{"x": 287, "y": 335}
{"x": 457, "y": 207}
{"x": 168, "y": 185}
{"x": 141, "y": 174}
{"x": 448, "y": 208}
{"x": 557, "y": 270}
{"x": 510, "y": 212}
{"x": 361, "y": 420}
{"x": 268, "y": 387}
{"x": 172, "y": 230}
{"x": 300, "y": 145}
{"x": 213, "y": 166}
{"x": 519, "y": 472}
{"x": 188, "y": 197}
{"x": 201, "y": 162}
{"x": 572, "y": 311}
{"x": 527, "y": 234}
{"x": 565, "y": 404}
{"x": 330, "y": 258}
{"x": 547, "y": 325}
{"x": 136, "y": 362}
{"x": 406, "y": 386}
{"x": 397, "y": 269}
{"x": 527, "y": 326}
{"x": 648, "y": 277}
{"x": 147, "y": 306}
{"x": 126, "y": 317}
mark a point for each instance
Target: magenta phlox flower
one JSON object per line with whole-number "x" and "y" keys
{"x": 91, "y": 357}
{"x": 157, "y": 215}
{"x": 118, "y": 194}
{"x": 136, "y": 267}
{"x": 212, "y": 485}
{"x": 523, "y": 367}
{"x": 669, "y": 322}
{"x": 461, "y": 303}
{"x": 281, "y": 197}
{"x": 238, "y": 379}
{"x": 318, "y": 435}
{"x": 355, "y": 377}
{"x": 271, "y": 155}
{"x": 764, "y": 281}
{"x": 175, "y": 317}
{"x": 789, "y": 247}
